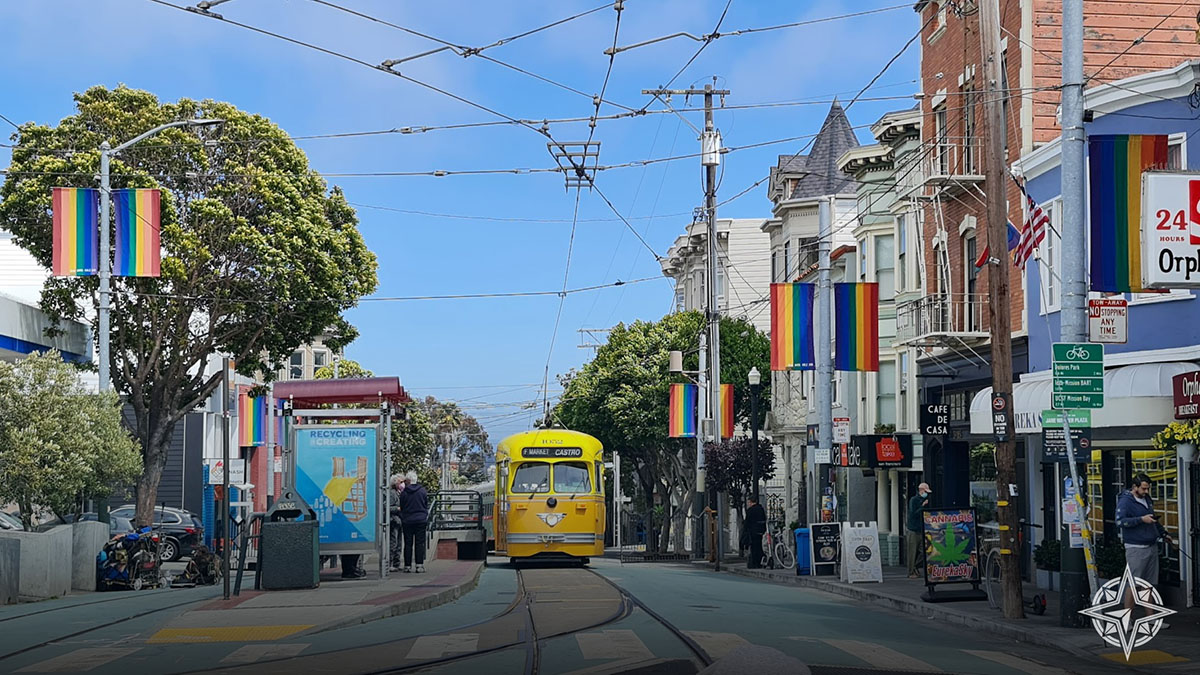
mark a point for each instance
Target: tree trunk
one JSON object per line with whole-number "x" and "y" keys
{"x": 155, "y": 447}
{"x": 665, "y": 527}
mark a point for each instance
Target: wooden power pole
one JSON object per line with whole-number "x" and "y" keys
{"x": 998, "y": 303}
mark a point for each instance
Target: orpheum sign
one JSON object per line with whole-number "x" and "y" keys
{"x": 1187, "y": 395}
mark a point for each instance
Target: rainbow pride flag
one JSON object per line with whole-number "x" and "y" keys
{"x": 76, "y": 246}
{"x": 252, "y": 419}
{"x": 792, "y": 327}
{"x": 681, "y": 422}
{"x": 1116, "y": 164}
{"x": 856, "y": 326}
{"x": 727, "y": 411}
{"x": 137, "y": 248}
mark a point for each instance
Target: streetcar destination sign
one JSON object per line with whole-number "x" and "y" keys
{"x": 544, "y": 453}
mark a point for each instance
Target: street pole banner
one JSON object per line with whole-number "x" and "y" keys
{"x": 860, "y": 553}
{"x": 336, "y": 472}
{"x": 826, "y": 542}
{"x": 951, "y": 546}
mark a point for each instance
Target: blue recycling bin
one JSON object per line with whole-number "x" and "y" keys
{"x": 803, "y": 552}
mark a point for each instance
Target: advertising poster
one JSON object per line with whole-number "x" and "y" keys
{"x": 951, "y": 546}
{"x": 336, "y": 473}
{"x": 826, "y": 547}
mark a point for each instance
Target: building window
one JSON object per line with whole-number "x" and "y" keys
{"x": 885, "y": 401}
{"x": 806, "y": 253}
{"x": 970, "y": 131}
{"x": 680, "y": 298}
{"x": 901, "y": 254}
{"x": 942, "y": 318}
{"x": 1177, "y": 152}
{"x": 320, "y": 357}
{"x": 787, "y": 253}
{"x": 885, "y": 270}
{"x": 971, "y": 314}
{"x": 941, "y": 153}
{"x": 296, "y": 366}
{"x": 1050, "y": 260}
{"x": 902, "y": 420}
{"x": 774, "y": 266}
{"x": 862, "y": 259}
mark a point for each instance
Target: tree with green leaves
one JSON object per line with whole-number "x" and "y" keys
{"x": 621, "y": 398}
{"x": 730, "y": 467}
{"x": 346, "y": 369}
{"x": 458, "y": 438}
{"x": 258, "y": 254}
{"x": 59, "y": 445}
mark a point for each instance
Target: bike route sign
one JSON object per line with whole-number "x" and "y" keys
{"x": 1078, "y": 375}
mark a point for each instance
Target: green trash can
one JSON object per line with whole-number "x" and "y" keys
{"x": 289, "y": 551}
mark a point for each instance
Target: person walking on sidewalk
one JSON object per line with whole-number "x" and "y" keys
{"x": 915, "y": 526}
{"x": 414, "y": 513}
{"x": 1140, "y": 531}
{"x": 756, "y": 527}
{"x": 395, "y": 524}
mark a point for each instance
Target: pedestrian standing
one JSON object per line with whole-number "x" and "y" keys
{"x": 1140, "y": 532}
{"x": 395, "y": 524}
{"x": 914, "y": 539}
{"x": 414, "y": 513}
{"x": 756, "y": 527}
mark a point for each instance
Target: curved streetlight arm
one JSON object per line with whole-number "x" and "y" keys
{"x": 170, "y": 125}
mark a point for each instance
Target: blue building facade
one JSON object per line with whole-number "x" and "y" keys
{"x": 1163, "y": 338}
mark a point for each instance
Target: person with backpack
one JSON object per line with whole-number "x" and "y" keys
{"x": 414, "y": 514}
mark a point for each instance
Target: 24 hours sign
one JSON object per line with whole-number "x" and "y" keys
{"x": 1170, "y": 232}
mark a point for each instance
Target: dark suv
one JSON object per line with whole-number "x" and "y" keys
{"x": 182, "y": 531}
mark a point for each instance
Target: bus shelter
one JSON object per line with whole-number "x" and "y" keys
{"x": 337, "y": 437}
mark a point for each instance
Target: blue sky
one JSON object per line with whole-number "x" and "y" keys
{"x": 488, "y": 353}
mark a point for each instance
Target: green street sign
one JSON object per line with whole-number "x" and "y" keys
{"x": 1079, "y": 385}
{"x": 1053, "y": 419}
{"x": 1078, "y": 369}
{"x": 1078, "y": 352}
{"x": 1063, "y": 401}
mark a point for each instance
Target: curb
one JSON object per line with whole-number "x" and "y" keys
{"x": 920, "y": 608}
{"x": 406, "y": 606}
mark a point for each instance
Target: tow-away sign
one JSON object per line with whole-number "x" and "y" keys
{"x": 1108, "y": 321}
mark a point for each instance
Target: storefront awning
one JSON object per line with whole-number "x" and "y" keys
{"x": 1137, "y": 395}
{"x": 371, "y": 390}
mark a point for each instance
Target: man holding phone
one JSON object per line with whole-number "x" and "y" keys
{"x": 1140, "y": 529}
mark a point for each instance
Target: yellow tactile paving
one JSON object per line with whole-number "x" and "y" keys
{"x": 224, "y": 634}
{"x": 1144, "y": 657}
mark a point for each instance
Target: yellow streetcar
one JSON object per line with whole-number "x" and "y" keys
{"x": 549, "y": 496}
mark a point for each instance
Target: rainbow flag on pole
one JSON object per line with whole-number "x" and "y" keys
{"x": 76, "y": 249}
{"x": 252, "y": 419}
{"x": 726, "y": 411}
{"x": 137, "y": 248}
{"x": 792, "y": 327}
{"x": 681, "y": 422}
{"x": 856, "y": 326}
{"x": 1116, "y": 164}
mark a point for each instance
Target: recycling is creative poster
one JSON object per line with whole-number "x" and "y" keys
{"x": 336, "y": 467}
{"x": 951, "y": 546}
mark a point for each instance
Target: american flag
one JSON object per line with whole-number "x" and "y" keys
{"x": 1034, "y": 230}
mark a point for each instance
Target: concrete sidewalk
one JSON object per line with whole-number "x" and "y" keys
{"x": 1176, "y": 649}
{"x": 257, "y": 616}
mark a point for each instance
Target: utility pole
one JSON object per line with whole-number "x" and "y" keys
{"x": 1073, "y": 317}
{"x": 998, "y": 301}
{"x": 710, "y": 159}
{"x": 226, "y": 389}
{"x": 824, "y": 340}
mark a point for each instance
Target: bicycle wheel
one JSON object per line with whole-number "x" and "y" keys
{"x": 784, "y": 555}
{"x": 766, "y": 549}
{"x": 991, "y": 579}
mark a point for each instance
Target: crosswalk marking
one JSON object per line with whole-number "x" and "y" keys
{"x": 253, "y": 653}
{"x": 1015, "y": 662}
{"x": 716, "y": 645}
{"x": 612, "y": 644}
{"x": 437, "y": 646}
{"x": 80, "y": 660}
{"x": 880, "y": 656}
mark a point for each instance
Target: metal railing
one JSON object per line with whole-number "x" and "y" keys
{"x": 948, "y": 160}
{"x": 941, "y": 315}
{"x": 456, "y": 510}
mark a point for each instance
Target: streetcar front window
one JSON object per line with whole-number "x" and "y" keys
{"x": 531, "y": 477}
{"x": 572, "y": 477}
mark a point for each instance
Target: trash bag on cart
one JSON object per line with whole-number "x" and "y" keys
{"x": 130, "y": 562}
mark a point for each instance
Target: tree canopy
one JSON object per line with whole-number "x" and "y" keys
{"x": 460, "y": 437}
{"x": 59, "y": 444}
{"x": 258, "y": 254}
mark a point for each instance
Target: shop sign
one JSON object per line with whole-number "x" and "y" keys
{"x": 860, "y": 553}
{"x": 935, "y": 419}
{"x": 1170, "y": 230}
{"x": 951, "y": 546}
{"x": 849, "y": 454}
{"x": 216, "y": 471}
{"x": 1108, "y": 321}
{"x": 877, "y": 451}
{"x": 826, "y": 542}
{"x": 1186, "y": 390}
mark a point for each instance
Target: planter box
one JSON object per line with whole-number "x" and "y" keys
{"x": 45, "y": 562}
{"x": 87, "y": 538}
{"x": 1048, "y": 581}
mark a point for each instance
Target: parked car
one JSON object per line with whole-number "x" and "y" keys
{"x": 116, "y": 524}
{"x": 10, "y": 522}
{"x": 181, "y": 531}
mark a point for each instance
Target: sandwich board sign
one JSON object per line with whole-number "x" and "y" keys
{"x": 860, "y": 553}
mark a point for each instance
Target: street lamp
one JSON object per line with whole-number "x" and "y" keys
{"x": 105, "y": 273}
{"x": 755, "y": 379}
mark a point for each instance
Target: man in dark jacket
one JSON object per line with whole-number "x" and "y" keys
{"x": 756, "y": 527}
{"x": 395, "y": 524}
{"x": 1140, "y": 530}
{"x": 914, "y": 539}
{"x": 414, "y": 513}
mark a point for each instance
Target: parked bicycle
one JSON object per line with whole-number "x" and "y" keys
{"x": 777, "y": 549}
{"x": 993, "y": 574}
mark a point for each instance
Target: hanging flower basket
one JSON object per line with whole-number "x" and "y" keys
{"x": 1178, "y": 436}
{"x": 1187, "y": 451}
